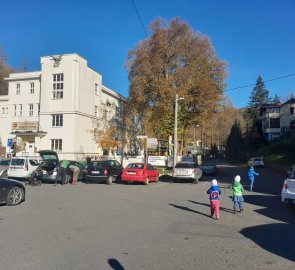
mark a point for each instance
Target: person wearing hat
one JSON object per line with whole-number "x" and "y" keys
{"x": 251, "y": 176}
{"x": 237, "y": 198}
{"x": 214, "y": 192}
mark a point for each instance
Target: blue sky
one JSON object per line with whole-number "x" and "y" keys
{"x": 254, "y": 37}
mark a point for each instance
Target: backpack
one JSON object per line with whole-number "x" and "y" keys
{"x": 214, "y": 195}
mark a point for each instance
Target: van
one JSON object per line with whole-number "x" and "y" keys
{"x": 22, "y": 167}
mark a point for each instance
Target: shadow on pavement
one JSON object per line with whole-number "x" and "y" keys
{"x": 115, "y": 264}
{"x": 207, "y": 204}
{"x": 188, "y": 209}
{"x": 277, "y": 238}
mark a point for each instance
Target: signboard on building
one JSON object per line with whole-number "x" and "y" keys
{"x": 24, "y": 126}
{"x": 157, "y": 160}
{"x": 152, "y": 143}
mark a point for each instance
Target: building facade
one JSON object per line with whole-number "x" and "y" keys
{"x": 56, "y": 108}
{"x": 278, "y": 119}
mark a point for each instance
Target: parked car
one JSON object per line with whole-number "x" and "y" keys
{"x": 209, "y": 167}
{"x": 106, "y": 171}
{"x": 53, "y": 176}
{"x": 140, "y": 172}
{"x": 256, "y": 162}
{"x": 12, "y": 192}
{"x": 187, "y": 171}
{"x": 23, "y": 167}
{"x": 288, "y": 189}
{"x": 4, "y": 165}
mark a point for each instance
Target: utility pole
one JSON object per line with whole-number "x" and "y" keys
{"x": 175, "y": 129}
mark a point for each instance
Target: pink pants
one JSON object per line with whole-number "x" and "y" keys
{"x": 215, "y": 207}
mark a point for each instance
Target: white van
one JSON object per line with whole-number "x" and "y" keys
{"x": 22, "y": 167}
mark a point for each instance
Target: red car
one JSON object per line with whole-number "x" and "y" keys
{"x": 140, "y": 172}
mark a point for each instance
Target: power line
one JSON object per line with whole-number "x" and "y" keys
{"x": 142, "y": 25}
{"x": 274, "y": 79}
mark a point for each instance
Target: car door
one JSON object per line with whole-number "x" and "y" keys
{"x": 118, "y": 168}
{"x": 151, "y": 171}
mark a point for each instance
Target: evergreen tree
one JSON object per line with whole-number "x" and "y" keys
{"x": 276, "y": 99}
{"x": 259, "y": 96}
{"x": 235, "y": 145}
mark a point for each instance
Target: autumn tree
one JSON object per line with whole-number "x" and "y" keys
{"x": 108, "y": 130}
{"x": 4, "y": 72}
{"x": 173, "y": 60}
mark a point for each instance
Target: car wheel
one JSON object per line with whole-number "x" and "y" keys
{"x": 15, "y": 196}
{"x": 146, "y": 181}
{"x": 110, "y": 180}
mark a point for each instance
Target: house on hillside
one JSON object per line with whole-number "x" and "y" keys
{"x": 278, "y": 119}
{"x": 55, "y": 108}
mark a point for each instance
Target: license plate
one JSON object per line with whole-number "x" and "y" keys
{"x": 131, "y": 172}
{"x": 95, "y": 172}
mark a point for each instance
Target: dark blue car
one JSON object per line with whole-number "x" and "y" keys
{"x": 12, "y": 192}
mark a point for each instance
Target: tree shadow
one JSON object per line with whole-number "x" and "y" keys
{"x": 277, "y": 238}
{"x": 188, "y": 209}
{"x": 115, "y": 264}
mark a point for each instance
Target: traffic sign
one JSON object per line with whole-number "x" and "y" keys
{"x": 141, "y": 137}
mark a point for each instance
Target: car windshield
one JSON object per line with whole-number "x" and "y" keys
{"x": 185, "y": 165}
{"x": 4, "y": 162}
{"x": 49, "y": 157}
{"x": 97, "y": 164}
{"x": 257, "y": 159}
{"x": 135, "y": 166}
{"x": 292, "y": 174}
{"x": 208, "y": 163}
{"x": 17, "y": 162}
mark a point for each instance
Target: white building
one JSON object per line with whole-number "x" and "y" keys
{"x": 55, "y": 108}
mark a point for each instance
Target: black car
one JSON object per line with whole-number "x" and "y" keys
{"x": 54, "y": 175}
{"x": 12, "y": 192}
{"x": 106, "y": 171}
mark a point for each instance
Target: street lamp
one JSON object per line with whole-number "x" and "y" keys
{"x": 175, "y": 128}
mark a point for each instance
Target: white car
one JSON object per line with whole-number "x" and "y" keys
{"x": 187, "y": 171}
{"x": 288, "y": 190}
{"x": 256, "y": 162}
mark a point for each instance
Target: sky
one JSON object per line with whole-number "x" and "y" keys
{"x": 254, "y": 37}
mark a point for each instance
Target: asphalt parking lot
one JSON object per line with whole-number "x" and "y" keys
{"x": 159, "y": 226}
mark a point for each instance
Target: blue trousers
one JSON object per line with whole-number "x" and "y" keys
{"x": 251, "y": 183}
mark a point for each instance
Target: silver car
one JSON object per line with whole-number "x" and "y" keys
{"x": 209, "y": 167}
{"x": 186, "y": 171}
{"x": 288, "y": 189}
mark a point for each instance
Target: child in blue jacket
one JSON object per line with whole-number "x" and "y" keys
{"x": 251, "y": 176}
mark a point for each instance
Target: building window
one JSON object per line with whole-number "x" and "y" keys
{"x": 56, "y": 144}
{"x": 96, "y": 111}
{"x": 3, "y": 110}
{"x": 14, "y": 113}
{"x": 32, "y": 88}
{"x": 292, "y": 111}
{"x": 38, "y": 109}
{"x": 31, "y": 109}
{"x": 96, "y": 89}
{"x": 18, "y": 88}
{"x": 20, "y": 110}
{"x": 274, "y": 122}
{"x": 57, "y": 120}
{"x": 58, "y": 86}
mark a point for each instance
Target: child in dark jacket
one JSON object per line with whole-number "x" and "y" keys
{"x": 214, "y": 192}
